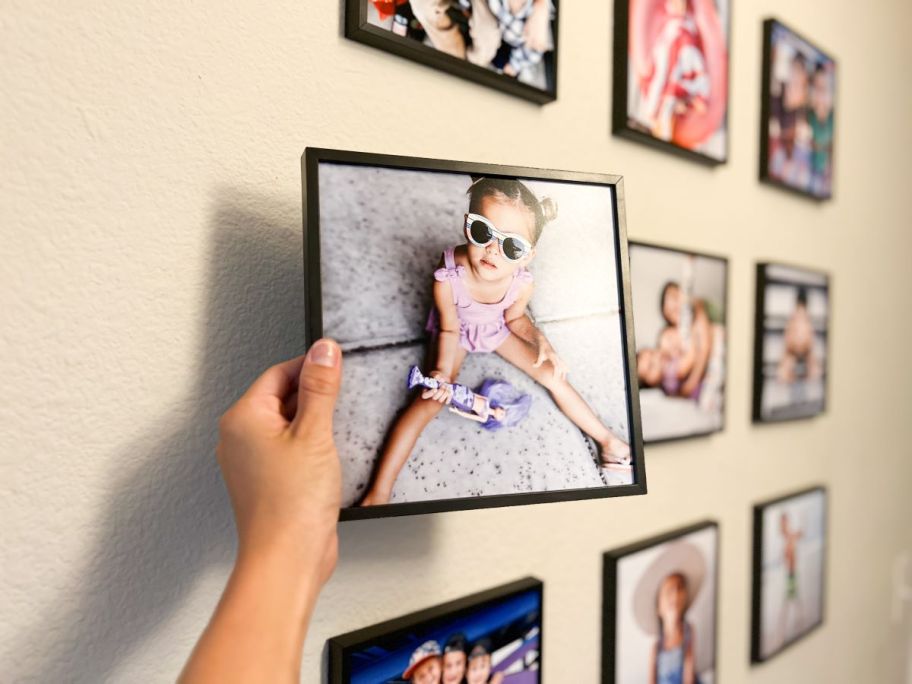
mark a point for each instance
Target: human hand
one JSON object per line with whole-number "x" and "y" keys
{"x": 444, "y": 391}
{"x": 279, "y": 461}
{"x": 546, "y": 353}
{"x": 536, "y": 32}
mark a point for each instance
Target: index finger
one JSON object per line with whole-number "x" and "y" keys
{"x": 277, "y": 381}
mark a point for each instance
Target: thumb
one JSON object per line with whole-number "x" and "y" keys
{"x": 318, "y": 387}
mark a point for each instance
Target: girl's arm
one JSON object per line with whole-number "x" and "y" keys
{"x": 521, "y": 325}
{"x": 448, "y": 339}
{"x": 690, "y": 670}
{"x": 653, "y": 657}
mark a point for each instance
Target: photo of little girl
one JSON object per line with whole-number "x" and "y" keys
{"x": 665, "y": 608}
{"x": 679, "y": 306}
{"x": 494, "y": 297}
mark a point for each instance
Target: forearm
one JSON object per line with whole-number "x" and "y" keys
{"x": 447, "y": 343}
{"x": 258, "y": 629}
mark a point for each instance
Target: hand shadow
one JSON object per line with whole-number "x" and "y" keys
{"x": 169, "y": 519}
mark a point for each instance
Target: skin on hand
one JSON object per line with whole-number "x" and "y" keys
{"x": 282, "y": 472}
{"x": 535, "y": 32}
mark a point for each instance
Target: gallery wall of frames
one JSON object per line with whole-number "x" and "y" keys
{"x": 621, "y": 289}
{"x": 489, "y": 316}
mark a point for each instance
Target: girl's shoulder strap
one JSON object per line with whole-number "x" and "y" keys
{"x": 449, "y": 258}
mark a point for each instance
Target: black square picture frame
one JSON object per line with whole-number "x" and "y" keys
{"x": 797, "y": 113}
{"x": 503, "y": 624}
{"x": 316, "y": 243}
{"x": 791, "y": 342}
{"x": 633, "y": 579}
{"x": 800, "y": 546}
{"x": 646, "y": 37}
{"x": 363, "y": 25}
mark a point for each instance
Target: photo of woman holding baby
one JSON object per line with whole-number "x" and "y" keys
{"x": 679, "y": 305}
{"x": 487, "y": 351}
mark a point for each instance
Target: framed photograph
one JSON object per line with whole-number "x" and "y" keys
{"x": 482, "y": 314}
{"x": 671, "y": 75}
{"x": 791, "y": 343}
{"x": 659, "y": 621}
{"x": 790, "y": 538}
{"x": 507, "y": 45}
{"x": 492, "y": 637}
{"x": 798, "y": 104}
{"x": 680, "y": 312}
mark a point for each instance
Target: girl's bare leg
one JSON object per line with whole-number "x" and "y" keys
{"x": 401, "y": 442}
{"x": 522, "y": 355}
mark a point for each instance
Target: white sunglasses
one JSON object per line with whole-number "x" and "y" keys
{"x": 481, "y": 232}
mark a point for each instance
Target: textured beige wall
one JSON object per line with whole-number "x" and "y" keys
{"x": 150, "y": 226}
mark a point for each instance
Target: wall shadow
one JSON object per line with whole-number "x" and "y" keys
{"x": 169, "y": 520}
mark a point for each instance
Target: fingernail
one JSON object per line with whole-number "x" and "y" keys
{"x": 323, "y": 353}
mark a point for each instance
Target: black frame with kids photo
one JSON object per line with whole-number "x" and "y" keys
{"x": 757, "y": 573}
{"x": 496, "y": 489}
{"x": 766, "y": 110}
{"x": 634, "y": 245}
{"x": 760, "y": 330}
{"x": 360, "y": 29}
{"x": 343, "y": 647}
{"x": 620, "y": 117}
{"x": 611, "y": 586}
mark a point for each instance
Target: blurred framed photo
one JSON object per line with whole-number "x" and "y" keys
{"x": 671, "y": 75}
{"x": 680, "y": 313}
{"x": 798, "y": 103}
{"x": 791, "y": 343}
{"x": 503, "y": 44}
{"x": 484, "y": 317}
{"x": 493, "y": 637}
{"x": 789, "y": 569}
{"x": 659, "y": 619}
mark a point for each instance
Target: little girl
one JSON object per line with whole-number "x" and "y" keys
{"x": 481, "y": 292}
{"x": 673, "y": 655}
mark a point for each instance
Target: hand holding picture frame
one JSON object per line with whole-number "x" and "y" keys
{"x": 507, "y": 288}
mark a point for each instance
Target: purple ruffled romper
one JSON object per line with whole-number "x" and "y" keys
{"x": 482, "y": 327}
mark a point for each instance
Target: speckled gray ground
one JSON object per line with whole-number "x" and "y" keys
{"x": 382, "y": 232}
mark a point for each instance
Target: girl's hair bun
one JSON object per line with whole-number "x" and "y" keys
{"x": 548, "y": 209}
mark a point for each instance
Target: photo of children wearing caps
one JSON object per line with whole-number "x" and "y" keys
{"x": 665, "y": 610}
{"x": 679, "y": 312}
{"x": 791, "y": 360}
{"x": 497, "y": 644}
{"x": 483, "y": 343}
{"x": 792, "y": 565}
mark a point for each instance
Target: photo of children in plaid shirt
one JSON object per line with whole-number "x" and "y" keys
{"x": 509, "y": 37}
